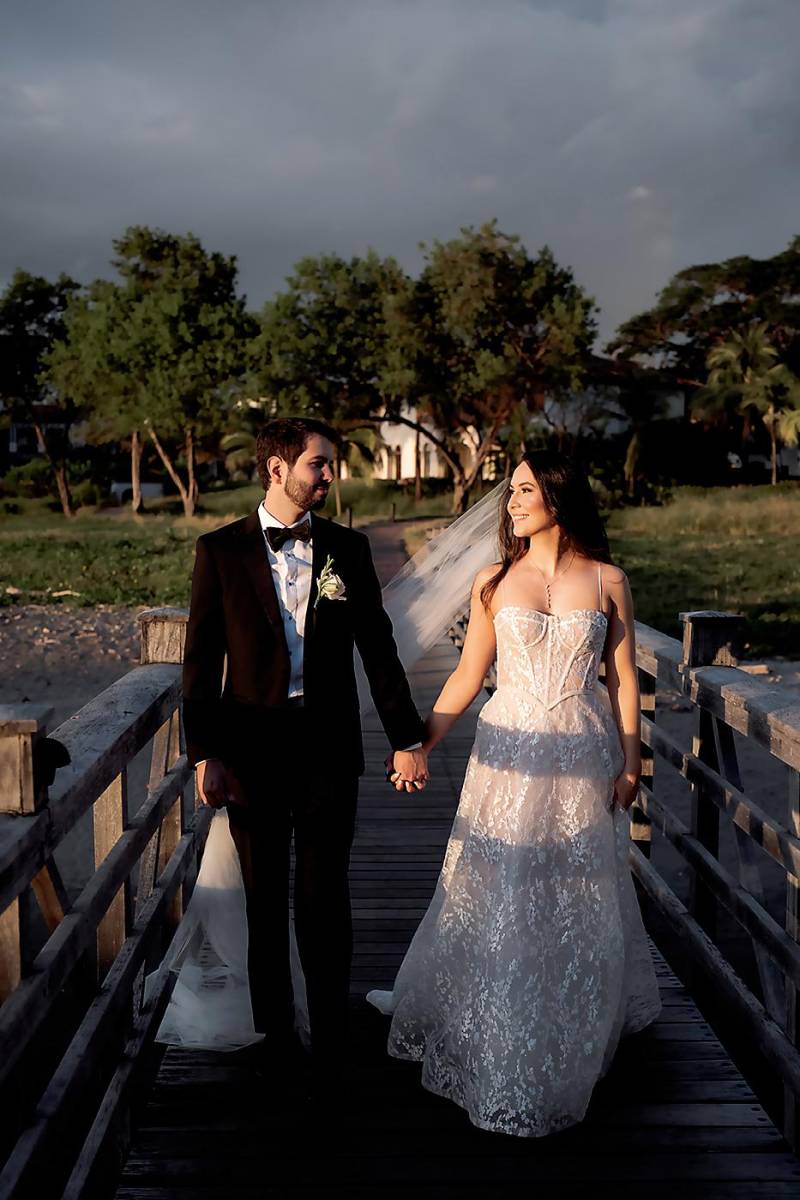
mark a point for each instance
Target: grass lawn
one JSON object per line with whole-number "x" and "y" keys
{"x": 110, "y": 557}
{"x": 730, "y": 549}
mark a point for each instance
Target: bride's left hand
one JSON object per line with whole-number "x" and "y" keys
{"x": 626, "y": 788}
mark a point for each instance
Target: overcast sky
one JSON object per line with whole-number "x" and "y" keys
{"x": 635, "y": 137}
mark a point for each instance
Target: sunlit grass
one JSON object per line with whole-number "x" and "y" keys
{"x": 729, "y": 549}
{"x": 734, "y": 550}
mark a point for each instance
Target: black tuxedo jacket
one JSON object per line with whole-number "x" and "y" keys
{"x": 235, "y": 633}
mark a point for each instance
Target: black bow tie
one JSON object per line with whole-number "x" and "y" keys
{"x": 278, "y": 536}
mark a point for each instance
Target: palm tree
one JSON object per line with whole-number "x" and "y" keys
{"x": 240, "y": 452}
{"x": 745, "y": 370}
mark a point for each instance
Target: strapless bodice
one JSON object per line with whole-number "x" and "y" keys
{"x": 550, "y": 656}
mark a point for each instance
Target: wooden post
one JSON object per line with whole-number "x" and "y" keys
{"x": 641, "y": 825}
{"x": 110, "y": 819}
{"x": 791, "y": 1107}
{"x": 770, "y": 975}
{"x": 163, "y": 635}
{"x": 21, "y": 726}
{"x": 21, "y": 794}
{"x": 709, "y": 639}
{"x": 163, "y": 639}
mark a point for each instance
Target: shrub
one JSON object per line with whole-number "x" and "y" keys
{"x": 29, "y": 480}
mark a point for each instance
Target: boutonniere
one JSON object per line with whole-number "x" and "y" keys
{"x": 329, "y": 585}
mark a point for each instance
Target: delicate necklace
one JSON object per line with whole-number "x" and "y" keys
{"x": 555, "y": 577}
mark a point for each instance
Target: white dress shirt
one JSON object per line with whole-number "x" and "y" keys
{"x": 291, "y": 568}
{"x": 291, "y": 573}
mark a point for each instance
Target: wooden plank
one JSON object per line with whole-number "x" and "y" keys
{"x": 110, "y": 817}
{"x": 769, "y": 1037}
{"x": 791, "y": 1101}
{"x": 765, "y": 831}
{"x": 51, "y": 895}
{"x": 103, "y": 1152}
{"x": 26, "y": 1009}
{"x": 10, "y": 952}
{"x": 673, "y": 1110}
{"x": 400, "y": 1167}
{"x": 767, "y": 713}
{"x": 85, "y": 1060}
{"x": 730, "y": 1190}
{"x": 101, "y": 739}
{"x": 162, "y": 634}
{"x": 719, "y": 884}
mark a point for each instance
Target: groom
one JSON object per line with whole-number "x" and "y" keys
{"x": 272, "y": 724}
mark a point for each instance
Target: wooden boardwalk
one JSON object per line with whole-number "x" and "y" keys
{"x": 673, "y": 1114}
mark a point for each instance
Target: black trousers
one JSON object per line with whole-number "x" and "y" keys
{"x": 291, "y": 792}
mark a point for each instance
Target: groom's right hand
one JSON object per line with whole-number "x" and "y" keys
{"x": 217, "y": 785}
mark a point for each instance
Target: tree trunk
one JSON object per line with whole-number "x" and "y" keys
{"x": 773, "y": 445}
{"x": 59, "y": 469}
{"x": 192, "y": 489}
{"x": 462, "y": 482}
{"x": 460, "y": 494}
{"x": 417, "y": 471}
{"x": 136, "y": 479}
{"x": 63, "y": 489}
{"x": 631, "y": 463}
{"x": 184, "y": 492}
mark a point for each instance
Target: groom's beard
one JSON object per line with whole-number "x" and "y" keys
{"x": 305, "y": 495}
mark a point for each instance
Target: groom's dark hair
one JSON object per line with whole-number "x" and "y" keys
{"x": 287, "y": 437}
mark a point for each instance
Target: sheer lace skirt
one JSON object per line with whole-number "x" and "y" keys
{"x": 531, "y": 961}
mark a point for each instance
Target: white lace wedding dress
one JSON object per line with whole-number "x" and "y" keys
{"x": 531, "y": 961}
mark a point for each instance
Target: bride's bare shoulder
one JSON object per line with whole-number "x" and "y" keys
{"x": 613, "y": 576}
{"x": 484, "y": 575}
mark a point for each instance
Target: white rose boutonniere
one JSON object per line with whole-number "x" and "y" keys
{"x": 329, "y": 585}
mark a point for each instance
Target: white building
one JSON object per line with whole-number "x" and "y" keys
{"x": 398, "y": 460}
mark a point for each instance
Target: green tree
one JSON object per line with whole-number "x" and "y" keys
{"x": 161, "y": 351}
{"x": 31, "y": 324}
{"x": 705, "y": 303}
{"x": 745, "y": 370}
{"x": 324, "y": 341}
{"x": 485, "y": 328}
{"x": 83, "y": 366}
{"x": 496, "y": 329}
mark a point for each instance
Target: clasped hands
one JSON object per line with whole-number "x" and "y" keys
{"x": 407, "y": 770}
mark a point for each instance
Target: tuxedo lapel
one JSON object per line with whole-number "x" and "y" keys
{"x": 319, "y": 551}
{"x": 256, "y": 563}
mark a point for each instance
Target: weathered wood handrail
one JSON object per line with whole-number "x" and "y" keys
{"x": 725, "y": 699}
{"x": 64, "y": 1124}
{"x": 113, "y": 1030}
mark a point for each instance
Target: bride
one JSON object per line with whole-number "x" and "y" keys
{"x": 531, "y": 961}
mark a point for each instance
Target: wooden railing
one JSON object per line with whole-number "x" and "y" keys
{"x": 74, "y": 1027}
{"x": 76, "y": 1035}
{"x": 726, "y": 700}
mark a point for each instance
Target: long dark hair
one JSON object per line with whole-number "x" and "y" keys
{"x": 570, "y": 501}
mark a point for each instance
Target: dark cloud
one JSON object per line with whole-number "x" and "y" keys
{"x": 633, "y": 137}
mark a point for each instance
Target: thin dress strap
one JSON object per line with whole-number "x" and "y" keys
{"x": 600, "y": 584}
